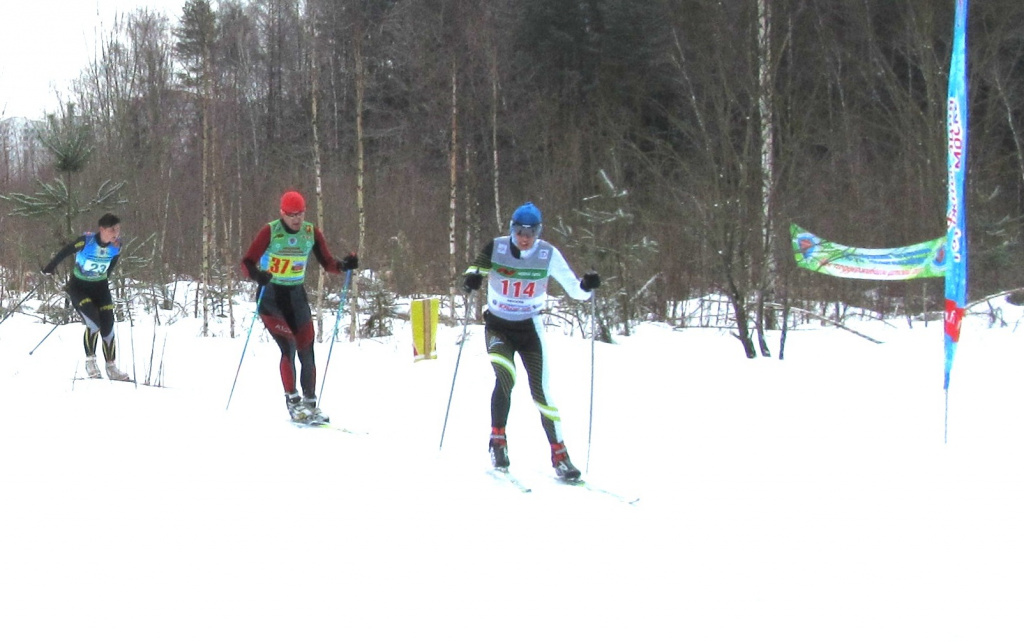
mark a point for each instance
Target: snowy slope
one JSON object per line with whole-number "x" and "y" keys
{"x": 805, "y": 499}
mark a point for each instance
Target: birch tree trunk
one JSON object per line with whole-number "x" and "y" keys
{"x": 314, "y": 70}
{"x": 453, "y": 163}
{"x": 228, "y": 259}
{"x": 360, "y": 169}
{"x": 207, "y": 223}
{"x": 494, "y": 139}
{"x": 158, "y": 247}
{"x": 766, "y": 97}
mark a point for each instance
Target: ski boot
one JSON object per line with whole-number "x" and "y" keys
{"x": 498, "y": 447}
{"x": 316, "y": 416}
{"x": 114, "y": 374}
{"x": 92, "y": 370}
{"x": 298, "y": 411}
{"x": 563, "y": 467}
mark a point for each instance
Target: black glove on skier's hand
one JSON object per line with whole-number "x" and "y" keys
{"x": 262, "y": 277}
{"x": 350, "y": 262}
{"x": 46, "y": 270}
{"x": 472, "y": 282}
{"x": 590, "y": 281}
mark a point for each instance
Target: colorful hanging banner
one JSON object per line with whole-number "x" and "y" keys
{"x": 956, "y": 207}
{"x": 918, "y": 261}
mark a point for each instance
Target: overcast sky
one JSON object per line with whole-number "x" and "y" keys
{"x": 44, "y": 44}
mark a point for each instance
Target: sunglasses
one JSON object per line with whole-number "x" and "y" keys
{"x": 524, "y": 230}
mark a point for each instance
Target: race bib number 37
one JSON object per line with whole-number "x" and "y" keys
{"x": 285, "y": 266}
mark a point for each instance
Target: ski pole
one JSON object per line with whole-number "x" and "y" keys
{"x": 18, "y": 304}
{"x": 462, "y": 342}
{"x": 55, "y": 326}
{"x": 593, "y": 334}
{"x": 337, "y": 322}
{"x": 131, "y": 339}
{"x": 256, "y": 313}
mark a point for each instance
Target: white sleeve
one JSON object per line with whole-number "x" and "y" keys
{"x": 566, "y": 277}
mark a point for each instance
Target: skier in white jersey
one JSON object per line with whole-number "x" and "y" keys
{"x": 517, "y": 268}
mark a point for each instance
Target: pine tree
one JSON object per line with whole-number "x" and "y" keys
{"x": 69, "y": 139}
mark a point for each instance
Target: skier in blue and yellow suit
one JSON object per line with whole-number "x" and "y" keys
{"x": 277, "y": 260}
{"x": 96, "y": 254}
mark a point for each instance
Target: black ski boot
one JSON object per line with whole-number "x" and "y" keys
{"x": 499, "y": 448}
{"x": 563, "y": 467}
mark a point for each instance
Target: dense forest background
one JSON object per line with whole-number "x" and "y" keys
{"x": 669, "y": 143}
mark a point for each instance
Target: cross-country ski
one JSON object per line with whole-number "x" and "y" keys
{"x": 503, "y": 475}
{"x": 586, "y": 485}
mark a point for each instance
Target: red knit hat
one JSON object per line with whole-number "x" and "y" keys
{"x": 292, "y": 203}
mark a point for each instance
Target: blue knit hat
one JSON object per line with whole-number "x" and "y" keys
{"x": 526, "y": 214}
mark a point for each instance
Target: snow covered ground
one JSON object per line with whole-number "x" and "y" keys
{"x": 807, "y": 499}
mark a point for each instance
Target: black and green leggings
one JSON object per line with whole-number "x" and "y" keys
{"x": 95, "y": 305}
{"x": 504, "y": 340}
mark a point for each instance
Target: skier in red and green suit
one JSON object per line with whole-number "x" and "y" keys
{"x": 277, "y": 260}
